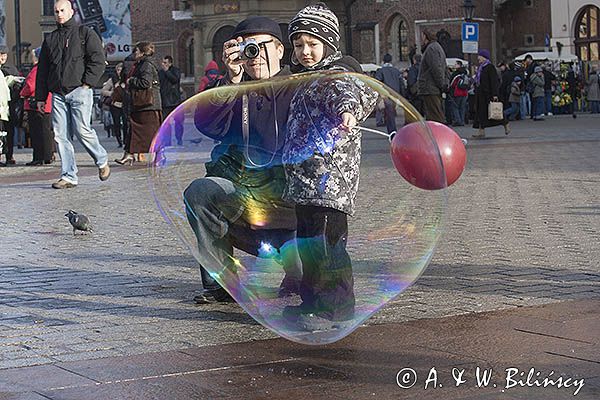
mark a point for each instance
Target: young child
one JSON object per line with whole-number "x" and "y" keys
{"x": 514, "y": 99}
{"x": 321, "y": 157}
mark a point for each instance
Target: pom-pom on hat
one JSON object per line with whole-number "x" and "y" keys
{"x": 317, "y": 20}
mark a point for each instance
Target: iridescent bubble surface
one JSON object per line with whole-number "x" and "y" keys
{"x": 221, "y": 192}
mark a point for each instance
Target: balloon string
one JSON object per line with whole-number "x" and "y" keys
{"x": 387, "y": 135}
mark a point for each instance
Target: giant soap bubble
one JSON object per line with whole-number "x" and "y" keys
{"x": 308, "y": 277}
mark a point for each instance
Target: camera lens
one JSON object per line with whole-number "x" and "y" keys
{"x": 251, "y": 50}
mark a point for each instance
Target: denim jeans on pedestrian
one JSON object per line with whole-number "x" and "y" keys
{"x": 389, "y": 114}
{"x": 19, "y": 133}
{"x": 525, "y": 105}
{"x": 538, "y": 110}
{"x": 595, "y": 106}
{"x": 71, "y": 117}
{"x": 511, "y": 113}
{"x": 548, "y": 101}
{"x": 459, "y": 110}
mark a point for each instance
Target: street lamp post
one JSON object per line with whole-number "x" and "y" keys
{"x": 469, "y": 7}
{"x": 18, "y": 33}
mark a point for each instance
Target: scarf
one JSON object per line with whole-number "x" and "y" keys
{"x": 479, "y": 69}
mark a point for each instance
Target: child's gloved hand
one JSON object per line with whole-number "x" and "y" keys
{"x": 348, "y": 121}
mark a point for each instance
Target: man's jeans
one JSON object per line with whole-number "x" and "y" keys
{"x": 511, "y": 113}
{"x": 525, "y": 105}
{"x": 213, "y": 209}
{"x": 459, "y": 110}
{"x": 538, "y": 109}
{"x": 548, "y": 101}
{"x": 71, "y": 115}
{"x": 390, "y": 116}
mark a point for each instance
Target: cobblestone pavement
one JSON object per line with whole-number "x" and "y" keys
{"x": 524, "y": 228}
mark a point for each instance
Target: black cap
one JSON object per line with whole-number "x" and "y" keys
{"x": 3, "y": 49}
{"x": 387, "y": 58}
{"x": 257, "y": 25}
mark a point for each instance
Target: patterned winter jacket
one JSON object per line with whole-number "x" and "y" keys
{"x": 322, "y": 161}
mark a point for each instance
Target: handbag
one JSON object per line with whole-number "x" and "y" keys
{"x": 495, "y": 111}
{"x": 142, "y": 98}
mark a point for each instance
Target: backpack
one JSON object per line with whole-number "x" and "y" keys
{"x": 463, "y": 82}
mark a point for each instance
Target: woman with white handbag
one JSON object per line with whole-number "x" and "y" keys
{"x": 488, "y": 107}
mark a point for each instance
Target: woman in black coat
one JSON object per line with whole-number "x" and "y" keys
{"x": 146, "y": 107}
{"x": 487, "y": 87}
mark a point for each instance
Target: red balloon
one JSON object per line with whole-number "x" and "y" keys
{"x": 418, "y": 160}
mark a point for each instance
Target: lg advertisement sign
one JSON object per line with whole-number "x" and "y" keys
{"x": 112, "y": 20}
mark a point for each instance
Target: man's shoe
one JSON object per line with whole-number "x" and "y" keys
{"x": 34, "y": 163}
{"x": 11, "y": 161}
{"x": 213, "y": 296}
{"x": 293, "y": 313}
{"x": 289, "y": 286}
{"x": 104, "y": 172}
{"x": 62, "y": 184}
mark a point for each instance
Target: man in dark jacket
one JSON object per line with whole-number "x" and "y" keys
{"x": 412, "y": 83}
{"x": 170, "y": 94}
{"x": 71, "y": 63}
{"x": 392, "y": 77}
{"x": 433, "y": 80}
{"x": 245, "y": 164}
{"x": 549, "y": 79}
{"x": 528, "y": 68}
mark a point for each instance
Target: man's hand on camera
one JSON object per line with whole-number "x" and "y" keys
{"x": 231, "y": 59}
{"x": 40, "y": 106}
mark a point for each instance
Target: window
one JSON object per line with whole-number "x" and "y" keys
{"x": 529, "y": 40}
{"x": 397, "y": 37}
{"x": 48, "y": 8}
{"x": 587, "y": 38}
{"x": 403, "y": 35}
{"x": 189, "y": 58}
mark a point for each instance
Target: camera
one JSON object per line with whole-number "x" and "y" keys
{"x": 249, "y": 49}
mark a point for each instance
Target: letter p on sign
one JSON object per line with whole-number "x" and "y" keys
{"x": 470, "y": 32}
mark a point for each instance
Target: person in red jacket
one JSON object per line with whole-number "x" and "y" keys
{"x": 211, "y": 75}
{"x": 40, "y": 124}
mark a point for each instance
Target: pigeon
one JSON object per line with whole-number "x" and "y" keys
{"x": 79, "y": 222}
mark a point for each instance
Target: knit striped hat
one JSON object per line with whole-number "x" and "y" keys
{"x": 319, "y": 21}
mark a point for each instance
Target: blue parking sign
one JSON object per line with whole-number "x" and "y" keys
{"x": 470, "y": 31}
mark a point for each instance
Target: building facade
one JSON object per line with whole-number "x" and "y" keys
{"x": 193, "y": 31}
